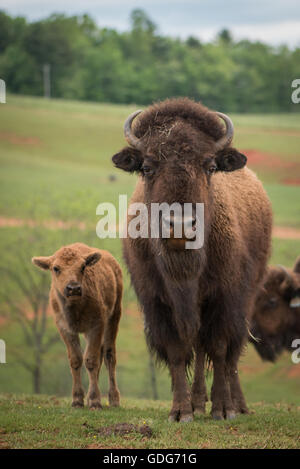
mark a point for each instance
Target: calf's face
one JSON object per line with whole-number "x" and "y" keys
{"x": 68, "y": 268}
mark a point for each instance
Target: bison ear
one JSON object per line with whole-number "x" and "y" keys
{"x": 297, "y": 266}
{"x": 42, "y": 262}
{"x": 230, "y": 159}
{"x": 281, "y": 278}
{"x": 93, "y": 258}
{"x": 129, "y": 159}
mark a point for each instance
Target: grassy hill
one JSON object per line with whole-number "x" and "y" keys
{"x": 55, "y": 169}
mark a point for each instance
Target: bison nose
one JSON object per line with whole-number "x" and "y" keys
{"x": 179, "y": 226}
{"x": 73, "y": 289}
{"x": 190, "y": 221}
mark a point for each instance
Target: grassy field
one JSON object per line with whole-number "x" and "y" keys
{"x": 49, "y": 422}
{"x": 55, "y": 169}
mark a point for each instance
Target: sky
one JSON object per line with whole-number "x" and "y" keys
{"x": 272, "y": 21}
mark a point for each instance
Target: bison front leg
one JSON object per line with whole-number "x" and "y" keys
{"x": 75, "y": 359}
{"x": 199, "y": 394}
{"x": 181, "y": 408}
{"x": 237, "y": 395}
{"x": 93, "y": 357}
{"x": 222, "y": 406}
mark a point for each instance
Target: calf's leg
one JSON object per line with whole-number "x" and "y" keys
{"x": 110, "y": 355}
{"x": 75, "y": 359}
{"x": 93, "y": 356}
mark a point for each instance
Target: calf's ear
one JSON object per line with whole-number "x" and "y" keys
{"x": 93, "y": 258}
{"x": 42, "y": 262}
{"x": 297, "y": 266}
{"x": 230, "y": 159}
{"x": 129, "y": 159}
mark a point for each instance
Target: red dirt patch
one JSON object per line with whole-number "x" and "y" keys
{"x": 4, "y": 445}
{"x": 18, "y": 139}
{"x": 286, "y": 232}
{"x": 28, "y": 313}
{"x": 294, "y": 372}
{"x": 291, "y": 181}
{"x": 268, "y": 160}
{"x": 50, "y": 224}
{"x": 133, "y": 310}
{"x": 278, "y": 232}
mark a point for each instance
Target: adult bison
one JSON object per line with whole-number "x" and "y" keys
{"x": 276, "y": 318}
{"x": 195, "y": 301}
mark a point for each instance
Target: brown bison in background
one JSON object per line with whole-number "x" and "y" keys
{"x": 276, "y": 319}
{"x": 195, "y": 302}
{"x": 86, "y": 296}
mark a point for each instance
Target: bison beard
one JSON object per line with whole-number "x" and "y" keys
{"x": 196, "y": 302}
{"x": 179, "y": 319}
{"x": 180, "y": 274}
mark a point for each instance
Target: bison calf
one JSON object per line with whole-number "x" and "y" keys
{"x": 85, "y": 296}
{"x": 276, "y": 317}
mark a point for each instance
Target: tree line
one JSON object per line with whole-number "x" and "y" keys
{"x": 141, "y": 65}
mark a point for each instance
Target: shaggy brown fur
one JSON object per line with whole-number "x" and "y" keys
{"x": 276, "y": 318}
{"x": 195, "y": 302}
{"x": 86, "y": 296}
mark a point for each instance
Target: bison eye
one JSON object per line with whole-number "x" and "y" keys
{"x": 272, "y": 302}
{"x": 147, "y": 170}
{"x": 56, "y": 269}
{"x": 212, "y": 169}
{"x": 82, "y": 268}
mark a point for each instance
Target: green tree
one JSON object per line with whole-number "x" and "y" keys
{"x": 141, "y": 66}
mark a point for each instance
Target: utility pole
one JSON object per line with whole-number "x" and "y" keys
{"x": 2, "y": 91}
{"x": 47, "y": 81}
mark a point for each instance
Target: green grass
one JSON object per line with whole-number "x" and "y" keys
{"x": 49, "y": 422}
{"x": 268, "y": 122}
{"x": 278, "y": 134}
{"x": 63, "y": 172}
{"x": 285, "y": 251}
{"x": 286, "y": 200}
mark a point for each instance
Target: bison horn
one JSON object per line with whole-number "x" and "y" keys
{"x": 129, "y": 135}
{"x": 227, "y": 138}
{"x": 288, "y": 275}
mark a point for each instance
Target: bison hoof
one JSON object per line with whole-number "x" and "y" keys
{"x": 186, "y": 418}
{"x": 177, "y": 416}
{"x": 94, "y": 402}
{"x": 227, "y": 414}
{"x": 217, "y": 415}
{"x": 95, "y": 406}
{"x": 243, "y": 410}
{"x": 114, "y": 399}
{"x": 114, "y": 403}
{"x": 198, "y": 411}
{"x": 77, "y": 404}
